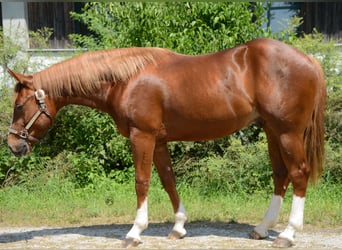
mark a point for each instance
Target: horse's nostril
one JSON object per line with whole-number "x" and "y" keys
{"x": 20, "y": 149}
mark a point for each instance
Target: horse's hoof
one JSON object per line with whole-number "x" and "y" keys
{"x": 256, "y": 236}
{"x": 282, "y": 243}
{"x": 174, "y": 235}
{"x": 130, "y": 243}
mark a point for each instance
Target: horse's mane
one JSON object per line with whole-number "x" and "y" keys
{"x": 83, "y": 74}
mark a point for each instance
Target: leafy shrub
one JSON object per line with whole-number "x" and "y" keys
{"x": 325, "y": 51}
{"x": 6, "y": 95}
{"x": 193, "y": 27}
{"x": 241, "y": 168}
{"x": 333, "y": 116}
{"x": 81, "y": 129}
{"x": 333, "y": 161}
{"x": 19, "y": 170}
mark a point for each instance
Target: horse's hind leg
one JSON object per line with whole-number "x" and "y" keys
{"x": 281, "y": 181}
{"x": 162, "y": 162}
{"x": 289, "y": 165}
{"x": 293, "y": 154}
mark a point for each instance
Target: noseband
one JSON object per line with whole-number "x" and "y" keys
{"x": 24, "y": 134}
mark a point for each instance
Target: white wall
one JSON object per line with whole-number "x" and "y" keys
{"x": 14, "y": 22}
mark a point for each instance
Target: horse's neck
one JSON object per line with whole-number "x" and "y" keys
{"x": 97, "y": 101}
{"x": 84, "y": 101}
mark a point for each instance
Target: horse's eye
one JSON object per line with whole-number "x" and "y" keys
{"x": 19, "y": 107}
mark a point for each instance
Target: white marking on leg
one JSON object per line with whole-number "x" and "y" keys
{"x": 271, "y": 216}
{"x": 180, "y": 218}
{"x": 140, "y": 222}
{"x": 296, "y": 218}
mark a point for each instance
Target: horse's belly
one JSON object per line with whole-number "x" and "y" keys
{"x": 185, "y": 129}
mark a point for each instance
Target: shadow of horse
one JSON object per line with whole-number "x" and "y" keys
{"x": 118, "y": 231}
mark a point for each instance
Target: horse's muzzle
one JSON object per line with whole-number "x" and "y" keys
{"x": 19, "y": 149}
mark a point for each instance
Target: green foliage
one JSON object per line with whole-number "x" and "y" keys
{"x": 333, "y": 161}
{"x": 333, "y": 116}
{"x": 192, "y": 27}
{"x": 6, "y": 96}
{"x": 10, "y": 49}
{"x": 81, "y": 129}
{"x": 14, "y": 54}
{"x": 40, "y": 37}
{"x": 18, "y": 170}
{"x": 288, "y": 33}
{"x": 326, "y": 53}
{"x": 239, "y": 168}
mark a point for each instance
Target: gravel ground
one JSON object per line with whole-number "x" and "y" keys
{"x": 201, "y": 235}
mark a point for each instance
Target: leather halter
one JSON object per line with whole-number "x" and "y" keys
{"x": 24, "y": 134}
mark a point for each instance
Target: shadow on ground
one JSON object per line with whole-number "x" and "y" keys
{"x": 118, "y": 231}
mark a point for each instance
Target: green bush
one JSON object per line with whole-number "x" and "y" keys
{"x": 333, "y": 161}
{"x": 6, "y": 96}
{"x": 81, "y": 129}
{"x": 240, "y": 168}
{"x": 192, "y": 27}
{"x": 333, "y": 116}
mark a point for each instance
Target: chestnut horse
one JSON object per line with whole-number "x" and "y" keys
{"x": 155, "y": 96}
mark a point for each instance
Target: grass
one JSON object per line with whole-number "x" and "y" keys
{"x": 58, "y": 202}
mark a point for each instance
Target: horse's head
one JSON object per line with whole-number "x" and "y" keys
{"x": 31, "y": 115}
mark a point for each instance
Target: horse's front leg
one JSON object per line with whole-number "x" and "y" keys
{"x": 142, "y": 145}
{"x": 162, "y": 162}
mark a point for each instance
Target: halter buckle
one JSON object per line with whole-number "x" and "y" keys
{"x": 39, "y": 94}
{"x": 23, "y": 134}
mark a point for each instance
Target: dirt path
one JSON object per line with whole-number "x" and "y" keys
{"x": 201, "y": 235}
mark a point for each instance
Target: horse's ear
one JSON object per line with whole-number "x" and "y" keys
{"x": 23, "y": 79}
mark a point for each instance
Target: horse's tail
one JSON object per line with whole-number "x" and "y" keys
{"x": 314, "y": 133}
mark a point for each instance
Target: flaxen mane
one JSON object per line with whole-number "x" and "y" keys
{"x": 83, "y": 74}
